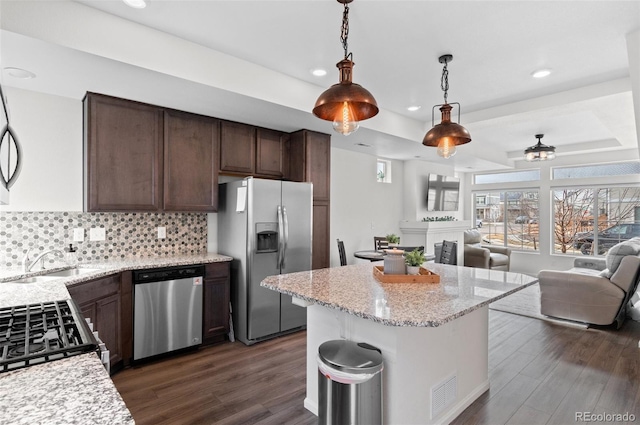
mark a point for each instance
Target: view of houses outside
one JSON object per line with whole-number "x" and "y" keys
{"x": 511, "y": 218}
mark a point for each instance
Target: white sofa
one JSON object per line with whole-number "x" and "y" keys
{"x": 595, "y": 290}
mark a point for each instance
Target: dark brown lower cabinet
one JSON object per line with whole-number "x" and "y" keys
{"x": 216, "y": 297}
{"x": 101, "y": 300}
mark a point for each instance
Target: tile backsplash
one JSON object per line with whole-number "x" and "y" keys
{"x": 127, "y": 235}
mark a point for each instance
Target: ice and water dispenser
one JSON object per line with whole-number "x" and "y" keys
{"x": 267, "y": 237}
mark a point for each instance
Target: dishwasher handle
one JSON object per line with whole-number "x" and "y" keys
{"x": 167, "y": 273}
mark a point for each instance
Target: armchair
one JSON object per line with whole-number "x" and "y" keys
{"x": 595, "y": 290}
{"x": 484, "y": 256}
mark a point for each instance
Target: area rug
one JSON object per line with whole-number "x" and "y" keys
{"x": 526, "y": 302}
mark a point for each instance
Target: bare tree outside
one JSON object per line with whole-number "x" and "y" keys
{"x": 572, "y": 214}
{"x": 578, "y": 213}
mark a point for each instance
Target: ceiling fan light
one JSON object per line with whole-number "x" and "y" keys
{"x": 539, "y": 152}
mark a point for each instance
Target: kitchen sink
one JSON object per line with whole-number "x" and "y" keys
{"x": 71, "y": 272}
{"x": 33, "y": 279}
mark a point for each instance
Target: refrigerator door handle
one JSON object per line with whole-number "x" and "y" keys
{"x": 280, "y": 259}
{"x": 286, "y": 234}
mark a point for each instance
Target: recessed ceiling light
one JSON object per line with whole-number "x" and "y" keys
{"x": 541, "y": 73}
{"x": 20, "y": 73}
{"x": 413, "y": 108}
{"x": 319, "y": 72}
{"x": 136, "y": 4}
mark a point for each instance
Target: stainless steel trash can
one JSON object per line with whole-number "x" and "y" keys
{"x": 349, "y": 383}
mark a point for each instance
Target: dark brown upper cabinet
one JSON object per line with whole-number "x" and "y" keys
{"x": 122, "y": 155}
{"x": 251, "y": 151}
{"x": 191, "y": 150}
{"x": 310, "y": 161}
{"x": 141, "y": 157}
{"x": 270, "y": 160}
{"x": 237, "y": 148}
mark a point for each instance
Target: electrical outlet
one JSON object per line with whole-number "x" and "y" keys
{"x": 97, "y": 234}
{"x": 78, "y": 234}
{"x": 162, "y": 232}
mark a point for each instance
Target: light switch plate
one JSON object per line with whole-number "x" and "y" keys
{"x": 78, "y": 234}
{"x": 97, "y": 234}
{"x": 162, "y": 232}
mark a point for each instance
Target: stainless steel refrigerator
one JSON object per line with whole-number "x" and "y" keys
{"x": 266, "y": 226}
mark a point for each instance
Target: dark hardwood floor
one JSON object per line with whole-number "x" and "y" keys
{"x": 540, "y": 373}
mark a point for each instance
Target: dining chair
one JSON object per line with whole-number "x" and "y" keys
{"x": 341, "y": 252}
{"x": 448, "y": 253}
{"x": 380, "y": 242}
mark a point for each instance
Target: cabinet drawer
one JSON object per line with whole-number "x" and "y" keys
{"x": 217, "y": 270}
{"x": 87, "y": 291}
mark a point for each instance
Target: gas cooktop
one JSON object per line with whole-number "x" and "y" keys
{"x": 42, "y": 332}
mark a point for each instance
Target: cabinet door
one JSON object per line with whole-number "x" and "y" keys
{"x": 270, "y": 153}
{"x": 100, "y": 301}
{"x": 123, "y": 155}
{"x": 191, "y": 156}
{"x": 237, "y": 148}
{"x": 319, "y": 164}
{"x": 108, "y": 326}
{"x": 320, "y": 255}
{"x": 310, "y": 161}
{"x": 215, "y": 310}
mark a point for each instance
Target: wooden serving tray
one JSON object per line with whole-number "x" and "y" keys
{"x": 425, "y": 276}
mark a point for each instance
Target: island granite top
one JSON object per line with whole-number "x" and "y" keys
{"x": 354, "y": 289}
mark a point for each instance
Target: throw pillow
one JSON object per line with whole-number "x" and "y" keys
{"x": 619, "y": 251}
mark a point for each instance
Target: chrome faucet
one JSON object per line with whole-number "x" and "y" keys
{"x": 27, "y": 264}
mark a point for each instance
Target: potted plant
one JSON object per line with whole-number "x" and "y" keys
{"x": 414, "y": 260}
{"x": 393, "y": 239}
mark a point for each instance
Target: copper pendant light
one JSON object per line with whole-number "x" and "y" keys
{"x": 345, "y": 103}
{"x": 446, "y": 135}
{"x": 539, "y": 152}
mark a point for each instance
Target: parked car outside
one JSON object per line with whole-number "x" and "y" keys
{"x": 522, "y": 219}
{"x": 478, "y": 223}
{"x": 607, "y": 238}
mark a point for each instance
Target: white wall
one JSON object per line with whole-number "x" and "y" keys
{"x": 362, "y": 208}
{"x": 49, "y": 128}
{"x": 416, "y": 174}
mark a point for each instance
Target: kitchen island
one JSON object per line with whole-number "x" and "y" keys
{"x": 433, "y": 337}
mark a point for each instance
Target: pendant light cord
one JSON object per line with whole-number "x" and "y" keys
{"x": 444, "y": 81}
{"x": 344, "y": 34}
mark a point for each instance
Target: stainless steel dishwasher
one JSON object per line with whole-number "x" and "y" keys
{"x": 167, "y": 311}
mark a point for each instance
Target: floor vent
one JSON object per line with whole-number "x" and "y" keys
{"x": 443, "y": 395}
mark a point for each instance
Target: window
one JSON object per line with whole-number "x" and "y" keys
{"x": 516, "y": 176}
{"x": 383, "y": 172}
{"x": 590, "y": 221}
{"x": 618, "y": 169}
{"x": 509, "y": 218}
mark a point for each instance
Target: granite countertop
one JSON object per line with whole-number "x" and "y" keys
{"x": 75, "y": 390}
{"x": 354, "y": 289}
{"x": 52, "y": 290}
